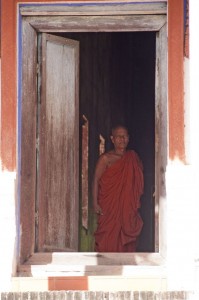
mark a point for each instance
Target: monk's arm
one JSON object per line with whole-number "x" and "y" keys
{"x": 99, "y": 170}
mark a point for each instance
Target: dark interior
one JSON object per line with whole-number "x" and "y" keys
{"x": 117, "y": 85}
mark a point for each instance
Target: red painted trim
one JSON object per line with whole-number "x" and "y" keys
{"x": 8, "y": 87}
{"x": 68, "y": 283}
{"x": 175, "y": 79}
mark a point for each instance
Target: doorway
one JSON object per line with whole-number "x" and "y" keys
{"x": 116, "y": 86}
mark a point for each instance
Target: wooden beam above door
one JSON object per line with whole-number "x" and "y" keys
{"x": 97, "y": 23}
{"x": 97, "y": 8}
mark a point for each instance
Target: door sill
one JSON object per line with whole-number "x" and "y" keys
{"x": 90, "y": 263}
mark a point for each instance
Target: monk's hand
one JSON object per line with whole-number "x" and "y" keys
{"x": 98, "y": 210}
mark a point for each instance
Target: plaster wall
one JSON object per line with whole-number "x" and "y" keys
{"x": 182, "y": 177}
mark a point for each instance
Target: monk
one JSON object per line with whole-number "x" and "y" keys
{"x": 117, "y": 188}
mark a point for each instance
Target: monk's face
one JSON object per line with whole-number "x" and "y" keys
{"x": 120, "y": 138}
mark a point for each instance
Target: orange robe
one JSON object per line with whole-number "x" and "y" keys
{"x": 120, "y": 188}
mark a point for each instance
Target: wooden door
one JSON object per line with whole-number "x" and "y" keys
{"x": 57, "y": 198}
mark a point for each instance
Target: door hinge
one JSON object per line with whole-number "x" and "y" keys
{"x": 37, "y": 144}
{"x": 37, "y": 217}
{"x": 38, "y": 68}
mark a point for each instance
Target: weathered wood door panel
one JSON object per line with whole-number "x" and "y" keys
{"x": 58, "y": 146}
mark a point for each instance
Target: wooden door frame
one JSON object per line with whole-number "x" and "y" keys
{"x": 89, "y": 17}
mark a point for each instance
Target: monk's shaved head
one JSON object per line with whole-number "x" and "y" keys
{"x": 113, "y": 130}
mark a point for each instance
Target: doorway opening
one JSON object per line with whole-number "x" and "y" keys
{"x": 116, "y": 86}
{"x": 123, "y": 79}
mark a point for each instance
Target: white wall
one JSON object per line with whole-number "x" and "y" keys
{"x": 7, "y": 229}
{"x": 183, "y": 180}
{"x": 194, "y": 122}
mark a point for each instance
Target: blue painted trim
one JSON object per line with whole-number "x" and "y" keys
{"x": 85, "y": 3}
{"x": 186, "y": 16}
{"x": 185, "y": 5}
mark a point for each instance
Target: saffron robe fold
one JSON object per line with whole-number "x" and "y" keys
{"x": 120, "y": 188}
